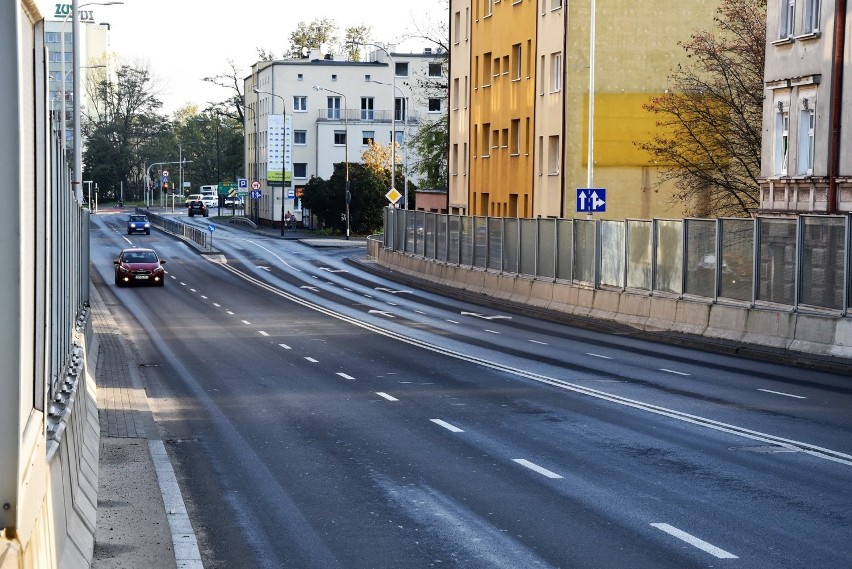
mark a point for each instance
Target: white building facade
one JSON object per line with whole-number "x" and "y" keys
{"x": 333, "y": 108}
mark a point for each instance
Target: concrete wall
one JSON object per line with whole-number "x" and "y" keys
{"x": 815, "y": 334}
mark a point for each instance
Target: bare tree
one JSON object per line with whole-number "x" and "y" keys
{"x": 232, "y": 80}
{"x": 709, "y": 124}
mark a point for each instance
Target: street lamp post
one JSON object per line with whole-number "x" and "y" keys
{"x": 284, "y": 153}
{"x": 393, "y": 114}
{"x": 77, "y": 174}
{"x": 404, "y": 137}
{"x": 345, "y": 147}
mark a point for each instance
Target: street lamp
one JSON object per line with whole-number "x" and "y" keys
{"x": 404, "y": 136}
{"x": 345, "y": 147}
{"x": 284, "y": 153}
{"x": 78, "y": 147}
{"x": 393, "y": 114}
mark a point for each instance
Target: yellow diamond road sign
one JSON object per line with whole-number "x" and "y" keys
{"x": 393, "y": 195}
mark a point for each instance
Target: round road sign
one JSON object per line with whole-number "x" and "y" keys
{"x": 165, "y": 173}
{"x": 255, "y": 185}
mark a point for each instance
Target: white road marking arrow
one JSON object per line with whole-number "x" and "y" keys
{"x": 391, "y": 291}
{"x": 484, "y": 317}
{"x": 388, "y": 314}
{"x": 313, "y": 288}
{"x": 267, "y": 269}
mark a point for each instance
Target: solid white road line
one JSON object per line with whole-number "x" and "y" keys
{"x": 447, "y": 426}
{"x": 695, "y": 542}
{"x": 782, "y": 393}
{"x": 386, "y": 396}
{"x": 536, "y": 468}
{"x": 673, "y": 371}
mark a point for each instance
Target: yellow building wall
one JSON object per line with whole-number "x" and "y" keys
{"x": 501, "y": 175}
{"x": 636, "y": 50}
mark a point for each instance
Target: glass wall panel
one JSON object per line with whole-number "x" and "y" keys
{"x": 776, "y": 269}
{"x": 640, "y": 244}
{"x": 399, "y": 225}
{"x": 547, "y": 248}
{"x": 430, "y": 235}
{"x": 823, "y": 254}
{"x": 737, "y": 237}
{"x": 584, "y": 250}
{"x": 511, "y": 245}
{"x": 466, "y": 241}
{"x": 669, "y": 266}
{"x": 453, "y": 254}
{"x": 495, "y": 243}
{"x": 528, "y": 233}
{"x": 442, "y": 234}
{"x": 612, "y": 253}
{"x": 565, "y": 255}
{"x": 419, "y": 232}
{"x": 701, "y": 257}
{"x": 480, "y": 242}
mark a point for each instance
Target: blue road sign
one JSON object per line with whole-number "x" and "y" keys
{"x": 242, "y": 183}
{"x": 211, "y": 228}
{"x": 255, "y": 194}
{"x": 591, "y": 200}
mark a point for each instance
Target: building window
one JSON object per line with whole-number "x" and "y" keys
{"x": 486, "y": 69}
{"x": 555, "y": 72}
{"x": 555, "y": 4}
{"x": 399, "y": 109}
{"x": 515, "y": 137}
{"x": 339, "y": 137}
{"x": 455, "y": 93}
{"x": 435, "y": 70}
{"x": 489, "y": 7}
{"x": 807, "y": 122}
{"x": 486, "y": 140}
{"x": 300, "y": 137}
{"x": 300, "y": 77}
{"x": 333, "y": 108}
{"x": 785, "y": 26}
{"x": 517, "y": 65}
{"x": 553, "y": 155}
{"x": 51, "y": 37}
{"x": 457, "y": 27}
{"x": 811, "y": 22}
{"x": 300, "y": 104}
{"x": 782, "y": 138}
{"x": 367, "y": 112}
{"x": 367, "y": 136}
{"x": 400, "y": 138}
{"x": 334, "y": 77}
{"x": 434, "y": 105}
{"x": 401, "y": 69}
{"x": 300, "y": 169}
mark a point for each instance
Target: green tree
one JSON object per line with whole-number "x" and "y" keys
{"x": 321, "y": 31}
{"x": 120, "y": 126}
{"x": 326, "y": 199}
{"x": 709, "y": 124}
{"x": 212, "y": 144}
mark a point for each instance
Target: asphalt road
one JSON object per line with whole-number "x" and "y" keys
{"x": 318, "y": 415}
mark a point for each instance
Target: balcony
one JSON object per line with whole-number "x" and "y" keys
{"x": 353, "y": 116}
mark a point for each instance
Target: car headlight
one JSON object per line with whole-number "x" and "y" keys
{"x": 147, "y": 225}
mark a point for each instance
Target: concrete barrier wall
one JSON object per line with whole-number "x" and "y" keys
{"x": 817, "y": 334}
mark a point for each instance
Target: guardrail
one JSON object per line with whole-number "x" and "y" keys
{"x": 194, "y": 234}
{"x": 793, "y": 264}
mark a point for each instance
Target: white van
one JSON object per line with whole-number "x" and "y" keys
{"x": 210, "y": 195}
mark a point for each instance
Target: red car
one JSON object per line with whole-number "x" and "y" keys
{"x": 139, "y": 266}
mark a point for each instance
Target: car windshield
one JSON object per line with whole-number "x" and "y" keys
{"x": 140, "y": 257}
{"x": 138, "y": 218}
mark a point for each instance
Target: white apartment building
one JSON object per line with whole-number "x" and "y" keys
{"x": 59, "y": 40}
{"x": 806, "y": 154}
{"x": 333, "y": 108}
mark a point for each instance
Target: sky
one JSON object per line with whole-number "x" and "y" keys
{"x": 183, "y": 41}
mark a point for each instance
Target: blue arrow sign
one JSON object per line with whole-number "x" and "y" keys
{"x": 255, "y": 194}
{"x": 211, "y": 228}
{"x": 591, "y": 200}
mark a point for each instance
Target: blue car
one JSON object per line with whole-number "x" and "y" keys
{"x": 137, "y": 223}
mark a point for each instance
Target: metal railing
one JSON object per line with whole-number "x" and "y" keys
{"x": 800, "y": 263}
{"x": 172, "y": 225}
{"x": 368, "y": 116}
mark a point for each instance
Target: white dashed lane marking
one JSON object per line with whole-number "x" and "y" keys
{"x": 536, "y": 468}
{"x": 447, "y": 426}
{"x": 598, "y": 356}
{"x": 695, "y": 542}
{"x": 386, "y": 396}
{"x": 312, "y": 360}
{"x": 782, "y": 393}
{"x": 673, "y": 371}
{"x": 344, "y": 376}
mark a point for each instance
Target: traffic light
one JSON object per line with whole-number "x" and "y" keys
{"x": 165, "y": 186}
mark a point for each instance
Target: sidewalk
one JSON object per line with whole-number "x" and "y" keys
{"x": 133, "y": 530}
